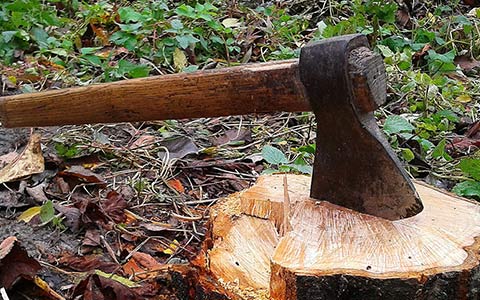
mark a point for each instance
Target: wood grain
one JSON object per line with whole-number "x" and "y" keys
{"x": 332, "y": 252}
{"x": 253, "y": 88}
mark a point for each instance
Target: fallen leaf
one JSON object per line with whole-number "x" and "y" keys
{"x": 83, "y": 174}
{"x": 102, "y": 286}
{"x": 87, "y": 263}
{"x": 130, "y": 218}
{"x": 90, "y": 211}
{"x": 109, "y": 52}
{"x": 10, "y": 199}
{"x": 179, "y": 59}
{"x": 233, "y": 135}
{"x": 92, "y": 238}
{"x": 71, "y": 216}
{"x": 403, "y": 18}
{"x": 15, "y": 263}
{"x": 101, "y": 33}
{"x": 29, "y": 214}
{"x": 463, "y": 98}
{"x": 463, "y": 144}
{"x": 29, "y": 162}
{"x": 47, "y": 289}
{"x": 176, "y": 185}
{"x": 7, "y": 158}
{"x": 231, "y": 22}
{"x": 178, "y": 147}
{"x": 156, "y": 227}
{"x": 172, "y": 247}
{"x": 117, "y": 278}
{"x": 467, "y": 63}
{"x": 422, "y": 52}
{"x": 61, "y": 184}
{"x": 142, "y": 266}
{"x": 144, "y": 141}
{"x": 37, "y": 193}
{"x": 115, "y": 206}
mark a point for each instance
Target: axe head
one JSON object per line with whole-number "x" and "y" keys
{"x": 354, "y": 165}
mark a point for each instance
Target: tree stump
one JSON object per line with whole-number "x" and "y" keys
{"x": 272, "y": 241}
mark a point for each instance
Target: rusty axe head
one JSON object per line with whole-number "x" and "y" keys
{"x": 354, "y": 165}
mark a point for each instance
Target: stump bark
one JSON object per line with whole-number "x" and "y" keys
{"x": 272, "y": 241}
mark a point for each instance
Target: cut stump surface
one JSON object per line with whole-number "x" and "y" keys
{"x": 266, "y": 243}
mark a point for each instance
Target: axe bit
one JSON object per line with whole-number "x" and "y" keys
{"x": 354, "y": 165}
{"x": 340, "y": 79}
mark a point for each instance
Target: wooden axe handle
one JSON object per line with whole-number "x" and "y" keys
{"x": 253, "y": 88}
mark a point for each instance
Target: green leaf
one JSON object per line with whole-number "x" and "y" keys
{"x": 47, "y": 212}
{"x": 407, "y": 154}
{"x": 310, "y": 148}
{"x": 397, "y": 124}
{"x": 89, "y": 50}
{"x": 449, "y": 115}
{"x": 176, "y": 24}
{"x": 130, "y": 28}
{"x": 184, "y": 41}
{"x": 8, "y": 35}
{"x": 185, "y": 10}
{"x": 127, "y": 14}
{"x": 273, "y": 155}
{"x": 386, "y": 52}
{"x": 467, "y": 189}
{"x": 132, "y": 70}
{"x": 67, "y": 151}
{"x": 471, "y": 167}
{"x": 440, "y": 152}
{"x": 40, "y": 36}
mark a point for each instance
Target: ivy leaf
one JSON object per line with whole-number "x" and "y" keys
{"x": 273, "y": 155}
{"x": 471, "y": 167}
{"x": 397, "y": 124}
{"x": 467, "y": 189}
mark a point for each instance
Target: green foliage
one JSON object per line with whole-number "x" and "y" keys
{"x": 397, "y": 124}
{"x": 469, "y": 189}
{"x": 430, "y": 97}
{"x": 279, "y": 160}
{"x": 27, "y": 22}
{"x": 47, "y": 212}
{"x": 273, "y": 155}
{"x": 67, "y": 151}
{"x": 470, "y": 167}
{"x": 47, "y": 215}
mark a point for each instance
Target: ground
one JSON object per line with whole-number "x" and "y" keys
{"x": 127, "y": 199}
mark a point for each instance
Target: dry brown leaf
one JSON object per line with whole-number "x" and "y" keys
{"x": 144, "y": 141}
{"x": 142, "y": 266}
{"x": 15, "y": 263}
{"x": 83, "y": 174}
{"x": 176, "y": 185}
{"x": 29, "y": 162}
{"x": 467, "y": 63}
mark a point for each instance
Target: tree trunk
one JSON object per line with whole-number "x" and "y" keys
{"x": 274, "y": 242}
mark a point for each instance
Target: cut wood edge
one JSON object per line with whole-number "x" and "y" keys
{"x": 329, "y": 244}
